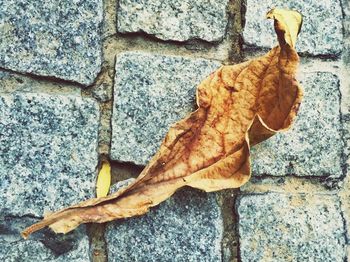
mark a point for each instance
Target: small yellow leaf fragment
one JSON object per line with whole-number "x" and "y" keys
{"x": 103, "y": 180}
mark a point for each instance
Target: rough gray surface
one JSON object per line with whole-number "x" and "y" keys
{"x": 102, "y": 93}
{"x": 283, "y": 227}
{"x": 49, "y": 38}
{"x": 119, "y": 185}
{"x": 48, "y": 152}
{"x": 321, "y": 32}
{"x": 174, "y": 20}
{"x": 186, "y": 227}
{"x": 313, "y": 146}
{"x": 151, "y": 92}
{"x": 42, "y": 246}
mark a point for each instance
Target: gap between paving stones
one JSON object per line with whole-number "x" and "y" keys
{"x": 345, "y": 222}
{"x": 40, "y": 78}
{"x": 14, "y": 82}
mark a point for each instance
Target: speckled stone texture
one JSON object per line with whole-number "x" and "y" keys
{"x": 48, "y": 152}
{"x": 283, "y": 227}
{"x": 41, "y": 246}
{"x": 117, "y": 186}
{"x": 174, "y": 20}
{"x": 313, "y": 146}
{"x": 151, "y": 92}
{"x": 321, "y": 32}
{"x": 59, "y": 39}
{"x": 186, "y": 227}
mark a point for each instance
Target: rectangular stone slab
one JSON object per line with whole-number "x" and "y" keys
{"x": 186, "y": 227}
{"x": 321, "y": 32}
{"x": 60, "y": 39}
{"x": 313, "y": 146}
{"x": 285, "y": 227}
{"x": 151, "y": 92}
{"x": 43, "y": 246}
{"x": 48, "y": 153}
{"x": 178, "y": 20}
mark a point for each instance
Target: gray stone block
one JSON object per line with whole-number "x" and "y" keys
{"x": 313, "y": 146}
{"x": 48, "y": 153}
{"x": 53, "y": 39}
{"x": 321, "y": 32}
{"x": 41, "y": 246}
{"x": 283, "y": 227}
{"x": 186, "y": 227}
{"x": 151, "y": 92}
{"x": 174, "y": 20}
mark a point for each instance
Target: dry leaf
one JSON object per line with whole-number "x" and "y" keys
{"x": 238, "y": 106}
{"x": 103, "y": 180}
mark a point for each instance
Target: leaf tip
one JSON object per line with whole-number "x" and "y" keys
{"x": 24, "y": 235}
{"x": 287, "y": 24}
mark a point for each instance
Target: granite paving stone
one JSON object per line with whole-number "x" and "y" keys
{"x": 151, "y": 92}
{"x": 321, "y": 32}
{"x": 313, "y": 146}
{"x": 59, "y": 39}
{"x": 186, "y": 227}
{"x": 174, "y": 20}
{"x": 285, "y": 227}
{"x": 43, "y": 245}
{"x": 48, "y": 153}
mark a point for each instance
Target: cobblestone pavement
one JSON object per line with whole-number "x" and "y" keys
{"x": 85, "y": 79}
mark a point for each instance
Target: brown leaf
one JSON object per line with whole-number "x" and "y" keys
{"x": 238, "y": 106}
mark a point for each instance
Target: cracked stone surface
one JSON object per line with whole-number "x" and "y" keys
{"x": 285, "y": 227}
{"x": 174, "y": 20}
{"x": 185, "y": 227}
{"x": 41, "y": 246}
{"x": 313, "y": 146}
{"x": 321, "y": 32}
{"x": 151, "y": 92}
{"x": 48, "y": 152}
{"x": 48, "y": 38}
